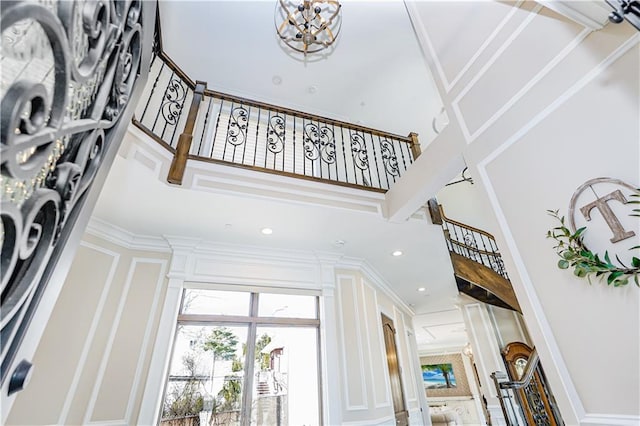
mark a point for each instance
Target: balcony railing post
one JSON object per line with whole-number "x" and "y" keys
{"x": 414, "y": 145}
{"x": 179, "y": 162}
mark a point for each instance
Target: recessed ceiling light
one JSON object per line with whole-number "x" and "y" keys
{"x": 397, "y": 253}
{"x": 267, "y": 231}
{"x": 421, "y": 289}
{"x": 276, "y": 80}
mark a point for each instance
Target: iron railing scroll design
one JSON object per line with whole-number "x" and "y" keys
{"x": 264, "y": 137}
{"x": 69, "y": 72}
{"x": 472, "y": 243}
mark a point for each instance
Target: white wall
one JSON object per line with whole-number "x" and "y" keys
{"x": 104, "y": 355}
{"x": 539, "y": 105}
{"x": 92, "y": 361}
{"x": 363, "y": 367}
{"x": 354, "y": 372}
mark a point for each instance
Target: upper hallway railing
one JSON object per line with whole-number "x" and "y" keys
{"x": 477, "y": 264}
{"x": 200, "y": 124}
{"x": 472, "y": 243}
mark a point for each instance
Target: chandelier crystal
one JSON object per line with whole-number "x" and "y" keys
{"x": 308, "y": 26}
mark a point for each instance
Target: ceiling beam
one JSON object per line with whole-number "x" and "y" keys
{"x": 439, "y": 163}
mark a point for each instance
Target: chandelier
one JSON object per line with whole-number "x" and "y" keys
{"x": 308, "y": 26}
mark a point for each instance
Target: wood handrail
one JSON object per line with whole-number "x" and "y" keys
{"x": 463, "y": 245}
{"x": 301, "y": 114}
{"x": 532, "y": 364}
{"x": 464, "y": 225}
{"x": 176, "y": 69}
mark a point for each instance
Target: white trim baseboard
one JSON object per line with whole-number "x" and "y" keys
{"x": 610, "y": 419}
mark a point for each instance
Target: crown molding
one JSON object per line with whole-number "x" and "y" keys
{"x": 375, "y": 278}
{"x": 193, "y": 248}
{"x": 123, "y": 238}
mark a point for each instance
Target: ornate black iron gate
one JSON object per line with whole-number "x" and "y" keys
{"x": 71, "y": 73}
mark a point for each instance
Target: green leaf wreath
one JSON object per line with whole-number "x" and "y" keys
{"x": 574, "y": 254}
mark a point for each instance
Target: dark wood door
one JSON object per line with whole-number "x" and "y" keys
{"x": 389, "y": 331}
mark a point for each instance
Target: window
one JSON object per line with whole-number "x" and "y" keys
{"x": 229, "y": 341}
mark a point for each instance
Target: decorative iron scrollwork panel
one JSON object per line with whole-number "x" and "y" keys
{"x": 71, "y": 69}
{"x": 172, "y": 102}
{"x": 276, "y": 133}
{"x": 389, "y": 158}
{"x": 319, "y": 142}
{"x": 238, "y": 121}
{"x": 360, "y": 156}
{"x": 536, "y": 404}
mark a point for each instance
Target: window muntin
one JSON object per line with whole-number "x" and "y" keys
{"x": 290, "y": 321}
{"x": 287, "y": 306}
{"x": 215, "y": 302}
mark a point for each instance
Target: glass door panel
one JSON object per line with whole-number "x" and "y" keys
{"x": 285, "y": 382}
{"x": 206, "y": 375}
{"x": 215, "y": 302}
{"x": 287, "y": 306}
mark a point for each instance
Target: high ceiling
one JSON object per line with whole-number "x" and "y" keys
{"x": 376, "y": 76}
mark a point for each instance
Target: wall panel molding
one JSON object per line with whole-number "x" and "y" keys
{"x": 484, "y": 363}
{"x": 610, "y": 419}
{"x": 564, "y": 97}
{"x": 159, "y": 363}
{"x": 426, "y": 42}
{"x": 402, "y": 349}
{"x": 92, "y": 330}
{"x": 138, "y": 378}
{"x": 387, "y": 420}
{"x": 374, "y": 319}
{"x": 372, "y": 276}
{"x": 110, "y": 342}
{"x": 566, "y": 51}
{"x": 551, "y": 345}
{"x": 469, "y": 137}
{"x": 349, "y": 405}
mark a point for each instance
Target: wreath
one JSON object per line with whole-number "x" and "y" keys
{"x": 574, "y": 254}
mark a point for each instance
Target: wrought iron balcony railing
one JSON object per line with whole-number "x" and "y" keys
{"x": 477, "y": 264}
{"x": 474, "y": 244}
{"x": 200, "y": 124}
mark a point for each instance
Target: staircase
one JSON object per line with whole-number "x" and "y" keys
{"x": 263, "y": 388}
{"x": 477, "y": 264}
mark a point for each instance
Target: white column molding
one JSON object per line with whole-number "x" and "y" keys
{"x": 158, "y": 368}
{"x": 486, "y": 353}
{"x": 331, "y": 395}
{"x": 417, "y": 373}
{"x": 497, "y": 417}
{"x": 182, "y": 261}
